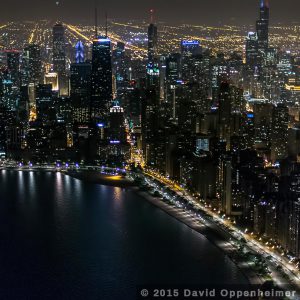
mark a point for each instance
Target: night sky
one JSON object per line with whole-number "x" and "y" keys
{"x": 193, "y": 11}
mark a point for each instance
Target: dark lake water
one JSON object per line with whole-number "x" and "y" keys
{"x": 61, "y": 238}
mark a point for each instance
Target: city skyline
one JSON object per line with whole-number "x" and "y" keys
{"x": 201, "y": 121}
{"x": 195, "y": 11}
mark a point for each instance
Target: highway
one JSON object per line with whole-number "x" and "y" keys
{"x": 58, "y": 167}
{"x": 291, "y": 275}
{"x": 114, "y": 37}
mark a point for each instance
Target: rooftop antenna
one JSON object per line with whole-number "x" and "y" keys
{"x": 96, "y": 19}
{"x": 57, "y": 5}
{"x": 106, "y": 25}
{"x": 151, "y": 16}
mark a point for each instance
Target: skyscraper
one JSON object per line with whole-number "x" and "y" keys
{"x": 117, "y": 133}
{"x": 225, "y": 107}
{"x": 279, "y": 132}
{"x": 190, "y": 48}
{"x": 80, "y": 90}
{"x": 23, "y": 106}
{"x": 121, "y": 68}
{"x": 44, "y": 102}
{"x": 252, "y": 50}
{"x": 262, "y": 26}
{"x": 59, "y": 58}
{"x": 102, "y": 93}
{"x": 13, "y": 66}
{"x": 152, "y": 66}
{"x": 32, "y": 65}
{"x": 79, "y": 49}
{"x": 152, "y": 40}
{"x": 9, "y": 95}
{"x": 173, "y": 67}
{"x": 227, "y": 186}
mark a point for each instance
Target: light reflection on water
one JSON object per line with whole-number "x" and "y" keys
{"x": 20, "y": 182}
{"x": 87, "y": 241}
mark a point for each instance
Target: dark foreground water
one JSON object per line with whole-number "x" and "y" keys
{"x": 61, "y": 238}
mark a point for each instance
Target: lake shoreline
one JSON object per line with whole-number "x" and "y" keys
{"x": 209, "y": 233}
{"x": 212, "y": 234}
{"x": 99, "y": 178}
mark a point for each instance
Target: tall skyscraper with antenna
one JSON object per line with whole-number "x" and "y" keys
{"x": 101, "y": 89}
{"x": 152, "y": 39}
{"x": 262, "y": 26}
{"x": 153, "y": 60}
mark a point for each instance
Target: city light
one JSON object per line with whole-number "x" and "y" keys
{"x": 201, "y": 121}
